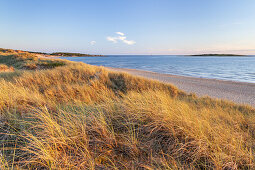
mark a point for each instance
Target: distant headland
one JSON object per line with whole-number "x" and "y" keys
{"x": 223, "y": 55}
{"x": 58, "y": 54}
{"x": 63, "y": 54}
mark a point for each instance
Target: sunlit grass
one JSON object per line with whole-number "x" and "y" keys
{"x": 28, "y": 61}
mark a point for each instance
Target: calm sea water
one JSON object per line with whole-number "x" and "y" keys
{"x": 226, "y": 68}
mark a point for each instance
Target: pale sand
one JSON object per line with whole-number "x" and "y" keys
{"x": 239, "y": 92}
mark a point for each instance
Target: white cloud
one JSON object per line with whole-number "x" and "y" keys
{"x": 93, "y": 42}
{"x": 113, "y": 39}
{"x": 131, "y": 42}
{"x": 120, "y": 33}
{"x": 122, "y": 38}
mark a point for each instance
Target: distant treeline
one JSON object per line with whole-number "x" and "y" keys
{"x": 38, "y": 52}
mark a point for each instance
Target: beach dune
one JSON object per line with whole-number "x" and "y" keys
{"x": 239, "y": 92}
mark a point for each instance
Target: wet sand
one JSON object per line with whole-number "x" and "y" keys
{"x": 239, "y": 92}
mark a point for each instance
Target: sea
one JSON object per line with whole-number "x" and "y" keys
{"x": 232, "y": 68}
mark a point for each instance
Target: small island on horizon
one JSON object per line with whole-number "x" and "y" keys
{"x": 224, "y": 55}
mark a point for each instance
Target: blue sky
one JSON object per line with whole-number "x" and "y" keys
{"x": 129, "y": 26}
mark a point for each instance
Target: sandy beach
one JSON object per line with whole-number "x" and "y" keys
{"x": 239, "y": 92}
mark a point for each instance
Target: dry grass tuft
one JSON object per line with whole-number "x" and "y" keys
{"x": 5, "y": 68}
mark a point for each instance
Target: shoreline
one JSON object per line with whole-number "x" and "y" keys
{"x": 175, "y": 75}
{"x": 238, "y": 92}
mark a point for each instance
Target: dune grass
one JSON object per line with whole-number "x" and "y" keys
{"x": 80, "y": 116}
{"x": 28, "y": 61}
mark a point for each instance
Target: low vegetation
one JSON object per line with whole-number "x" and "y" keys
{"x": 79, "y": 116}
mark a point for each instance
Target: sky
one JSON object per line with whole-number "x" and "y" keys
{"x": 129, "y": 26}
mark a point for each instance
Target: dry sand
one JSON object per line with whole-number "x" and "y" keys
{"x": 239, "y": 92}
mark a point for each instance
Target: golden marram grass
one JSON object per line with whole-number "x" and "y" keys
{"x": 78, "y": 116}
